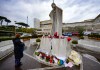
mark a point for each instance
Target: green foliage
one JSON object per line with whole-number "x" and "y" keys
{"x": 19, "y": 30}
{"x": 7, "y": 28}
{"x": 74, "y": 42}
{"x": 26, "y": 30}
{"x": 94, "y": 35}
{"x": 37, "y": 53}
{"x": 80, "y": 30}
{"x": 7, "y": 38}
{"x": 7, "y": 20}
{"x": 38, "y": 40}
{"x": 62, "y": 30}
{"x": 47, "y": 58}
{"x": 29, "y": 30}
{"x": 81, "y": 37}
{"x": 22, "y": 24}
{"x": 81, "y": 34}
{"x": 39, "y": 35}
{"x": 34, "y": 35}
{"x": 11, "y": 38}
{"x": 2, "y": 18}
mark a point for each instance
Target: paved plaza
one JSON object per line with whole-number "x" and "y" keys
{"x": 30, "y": 63}
{"x": 49, "y": 35}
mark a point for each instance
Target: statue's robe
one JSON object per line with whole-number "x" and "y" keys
{"x": 56, "y": 18}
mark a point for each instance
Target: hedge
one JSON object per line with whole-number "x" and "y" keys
{"x": 38, "y": 40}
{"x": 11, "y": 38}
{"x": 81, "y": 37}
{"x": 74, "y": 42}
{"x": 94, "y": 35}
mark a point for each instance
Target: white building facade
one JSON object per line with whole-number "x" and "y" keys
{"x": 36, "y": 23}
{"x": 45, "y": 27}
{"x": 93, "y": 25}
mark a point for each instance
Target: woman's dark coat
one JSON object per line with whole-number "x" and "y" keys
{"x": 18, "y": 48}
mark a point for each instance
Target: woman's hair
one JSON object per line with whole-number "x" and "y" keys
{"x": 17, "y": 35}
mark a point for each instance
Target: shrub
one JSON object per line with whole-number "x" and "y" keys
{"x": 98, "y": 36}
{"x": 11, "y": 38}
{"x": 34, "y": 36}
{"x": 81, "y": 37}
{"x": 39, "y": 35}
{"x": 74, "y": 42}
{"x": 93, "y": 35}
{"x": 81, "y": 34}
{"x": 89, "y": 35}
{"x": 4, "y": 39}
{"x": 38, "y": 40}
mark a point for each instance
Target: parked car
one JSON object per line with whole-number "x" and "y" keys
{"x": 87, "y": 32}
{"x": 75, "y": 33}
{"x": 67, "y": 34}
{"x": 25, "y": 34}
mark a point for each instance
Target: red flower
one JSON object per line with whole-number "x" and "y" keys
{"x": 49, "y": 36}
{"x": 43, "y": 54}
{"x": 56, "y": 35}
{"x": 48, "y": 56}
{"x": 51, "y": 60}
{"x": 68, "y": 39}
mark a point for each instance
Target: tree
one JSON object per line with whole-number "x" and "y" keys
{"x": 22, "y": 24}
{"x": 1, "y": 19}
{"x": 34, "y": 34}
{"x": 7, "y": 20}
{"x": 29, "y": 30}
{"x": 80, "y": 29}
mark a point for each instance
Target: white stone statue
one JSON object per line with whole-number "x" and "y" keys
{"x": 56, "y": 18}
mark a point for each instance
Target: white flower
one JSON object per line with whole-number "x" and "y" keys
{"x": 75, "y": 57}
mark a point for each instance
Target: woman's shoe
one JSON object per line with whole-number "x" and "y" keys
{"x": 18, "y": 65}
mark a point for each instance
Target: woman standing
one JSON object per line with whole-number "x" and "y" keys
{"x": 18, "y": 50}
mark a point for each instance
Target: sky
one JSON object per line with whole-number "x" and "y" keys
{"x": 73, "y": 10}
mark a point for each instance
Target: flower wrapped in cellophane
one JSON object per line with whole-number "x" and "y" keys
{"x": 75, "y": 57}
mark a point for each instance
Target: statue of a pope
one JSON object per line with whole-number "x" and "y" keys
{"x": 56, "y": 18}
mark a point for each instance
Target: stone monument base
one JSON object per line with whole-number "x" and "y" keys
{"x": 59, "y": 53}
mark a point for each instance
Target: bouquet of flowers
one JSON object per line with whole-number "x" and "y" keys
{"x": 75, "y": 57}
{"x": 47, "y": 58}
